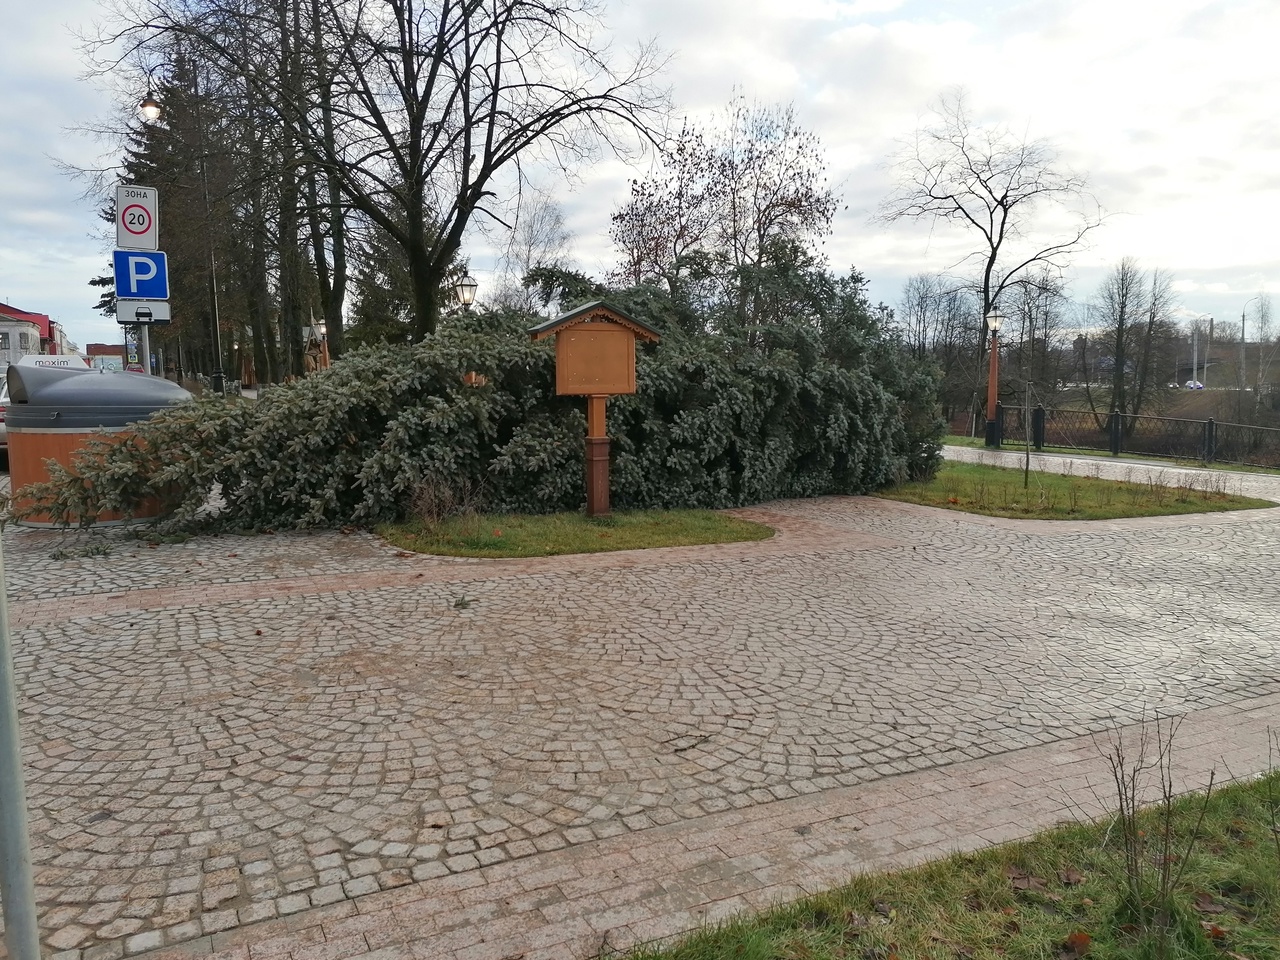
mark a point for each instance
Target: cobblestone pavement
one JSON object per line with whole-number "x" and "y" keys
{"x": 264, "y": 733}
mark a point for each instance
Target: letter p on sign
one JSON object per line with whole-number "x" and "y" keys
{"x": 141, "y": 269}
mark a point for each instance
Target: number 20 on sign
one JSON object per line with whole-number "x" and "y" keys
{"x": 137, "y": 219}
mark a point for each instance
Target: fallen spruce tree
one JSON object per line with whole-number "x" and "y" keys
{"x": 714, "y": 423}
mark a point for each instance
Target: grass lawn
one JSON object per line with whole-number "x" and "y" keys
{"x": 1060, "y": 896}
{"x": 999, "y": 492}
{"x": 518, "y": 535}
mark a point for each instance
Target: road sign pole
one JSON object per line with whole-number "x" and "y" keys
{"x": 17, "y": 888}
{"x": 144, "y": 346}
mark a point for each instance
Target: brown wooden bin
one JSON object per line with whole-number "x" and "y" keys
{"x": 53, "y": 412}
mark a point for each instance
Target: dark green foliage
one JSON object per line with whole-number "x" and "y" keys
{"x": 715, "y": 429}
{"x": 716, "y": 423}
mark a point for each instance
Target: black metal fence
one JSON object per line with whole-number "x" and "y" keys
{"x": 1205, "y": 440}
{"x": 1241, "y": 443}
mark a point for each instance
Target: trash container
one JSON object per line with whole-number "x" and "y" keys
{"x": 53, "y": 412}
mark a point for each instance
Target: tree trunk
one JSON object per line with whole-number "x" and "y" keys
{"x": 287, "y": 238}
{"x": 331, "y": 264}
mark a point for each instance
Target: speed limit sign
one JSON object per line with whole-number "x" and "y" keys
{"x": 137, "y": 220}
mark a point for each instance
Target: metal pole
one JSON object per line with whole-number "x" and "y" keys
{"x": 1243, "y": 374}
{"x": 219, "y": 380}
{"x": 17, "y": 889}
{"x": 144, "y": 347}
{"x": 993, "y": 386}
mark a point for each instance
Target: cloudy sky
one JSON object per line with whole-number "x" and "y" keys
{"x": 1169, "y": 107}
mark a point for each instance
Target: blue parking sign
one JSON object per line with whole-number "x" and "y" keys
{"x": 141, "y": 275}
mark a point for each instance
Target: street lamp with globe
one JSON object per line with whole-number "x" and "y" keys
{"x": 994, "y": 319}
{"x": 465, "y": 291}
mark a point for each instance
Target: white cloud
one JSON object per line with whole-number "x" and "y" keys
{"x": 1168, "y": 105}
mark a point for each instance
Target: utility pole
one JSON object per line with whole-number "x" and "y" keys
{"x": 1243, "y": 379}
{"x": 1208, "y": 343}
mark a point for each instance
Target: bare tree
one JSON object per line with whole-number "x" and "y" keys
{"x": 994, "y": 185}
{"x": 669, "y": 215}
{"x": 1139, "y": 339}
{"x": 935, "y": 314}
{"x": 538, "y": 238}
{"x": 419, "y": 110}
{"x": 775, "y": 193}
{"x": 729, "y": 202}
{"x": 1268, "y": 344}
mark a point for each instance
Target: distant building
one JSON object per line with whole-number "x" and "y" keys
{"x": 49, "y": 337}
{"x": 17, "y": 339}
{"x": 108, "y": 355}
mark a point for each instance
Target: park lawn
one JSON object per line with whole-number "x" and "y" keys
{"x": 1057, "y": 896}
{"x": 521, "y": 535}
{"x": 1000, "y": 492}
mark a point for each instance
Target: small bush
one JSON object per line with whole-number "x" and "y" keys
{"x": 434, "y": 501}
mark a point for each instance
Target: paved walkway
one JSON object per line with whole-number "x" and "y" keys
{"x": 319, "y": 747}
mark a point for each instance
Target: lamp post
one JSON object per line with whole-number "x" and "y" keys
{"x": 151, "y": 110}
{"x": 465, "y": 291}
{"x": 994, "y": 318}
{"x": 1243, "y": 378}
{"x": 17, "y": 885}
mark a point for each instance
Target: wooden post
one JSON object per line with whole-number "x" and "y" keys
{"x": 597, "y": 459}
{"x": 595, "y": 417}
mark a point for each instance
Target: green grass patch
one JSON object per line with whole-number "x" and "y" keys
{"x": 520, "y": 535}
{"x": 1001, "y": 492}
{"x": 1059, "y": 896}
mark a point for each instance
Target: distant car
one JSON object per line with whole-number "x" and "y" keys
{"x": 1194, "y": 385}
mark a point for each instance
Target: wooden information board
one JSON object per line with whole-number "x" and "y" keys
{"x": 596, "y": 359}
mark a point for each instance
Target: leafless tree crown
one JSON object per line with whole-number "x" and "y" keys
{"x": 993, "y": 184}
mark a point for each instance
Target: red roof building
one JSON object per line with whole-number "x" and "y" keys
{"x": 52, "y": 339}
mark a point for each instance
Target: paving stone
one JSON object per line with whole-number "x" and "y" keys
{"x": 143, "y": 941}
{"x": 279, "y": 714}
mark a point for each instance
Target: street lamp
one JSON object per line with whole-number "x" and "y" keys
{"x": 465, "y": 291}
{"x": 994, "y": 318}
{"x": 151, "y": 110}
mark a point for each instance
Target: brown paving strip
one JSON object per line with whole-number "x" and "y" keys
{"x": 570, "y": 904}
{"x": 794, "y": 536}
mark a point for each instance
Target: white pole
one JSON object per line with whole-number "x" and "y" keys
{"x": 1204, "y": 378}
{"x": 144, "y": 346}
{"x": 17, "y": 889}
